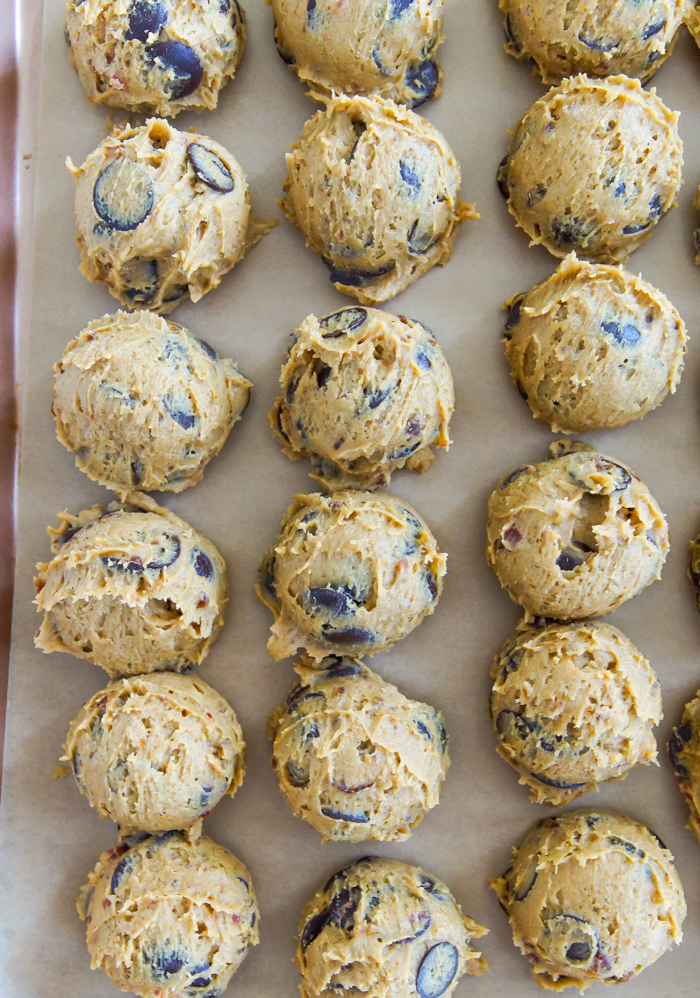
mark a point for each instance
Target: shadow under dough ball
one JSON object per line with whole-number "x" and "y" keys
{"x": 593, "y": 347}
{"x": 592, "y": 167}
{"x": 384, "y": 929}
{"x": 352, "y": 572}
{"x": 170, "y": 915}
{"x": 161, "y": 215}
{"x": 591, "y": 896}
{"x": 684, "y": 752}
{"x": 132, "y": 588}
{"x": 574, "y": 536}
{"x": 365, "y": 47}
{"x": 364, "y": 393}
{"x": 155, "y": 56}
{"x": 375, "y": 190}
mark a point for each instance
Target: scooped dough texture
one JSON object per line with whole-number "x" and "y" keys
{"x": 353, "y": 756}
{"x": 573, "y": 705}
{"x": 161, "y": 215}
{"x": 574, "y": 536}
{"x": 598, "y": 37}
{"x": 382, "y": 929}
{"x": 351, "y": 572}
{"x": 363, "y": 394}
{"x": 591, "y": 896}
{"x": 169, "y": 917}
{"x": 592, "y": 167}
{"x": 365, "y": 47}
{"x": 132, "y": 588}
{"x": 374, "y": 188}
{"x": 684, "y": 750}
{"x": 144, "y": 404}
{"x": 594, "y": 347}
{"x": 156, "y": 752}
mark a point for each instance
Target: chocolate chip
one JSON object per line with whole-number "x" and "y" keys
{"x": 358, "y": 819}
{"x": 569, "y": 559}
{"x": 342, "y": 908}
{"x": 209, "y": 168}
{"x": 420, "y": 240}
{"x": 423, "y": 919}
{"x": 348, "y": 636}
{"x": 679, "y": 739}
{"x": 437, "y": 969}
{"x": 570, "y": 231}
{"x": 342, "y": 322}
{"x": 297, "y": 775}
{"x": 121, "y": 870}
{"x": 323, "y": 374}
{"x": 513, "y": 475}
{"x": 202, "y": 565}
{"x": 597, "y": 44}
{"x": 123, "y": 194}
{"x": 207, "y": 349}
{"x": 357, "y": 278}
{"x": 168, "y": 552}
{"x": 398, "y": 7}
{"x": 339, "y": 600}
{"x": 313, "y": 928}
{"x": 554, "y": 783}
{"x": 142, "y": 275}
{"x": 146, "y": 17}
{"x": 502, "y": 177}
{"x": 184, "y": 64}
{"x": 344, "y": 668}
{"x": 180, "y": 411}
{"x": 625, "y": 335}
{"x": 431, "y": 582}
{"x": 422, "y": 359}
{"x": 653, "y": 29}
{"x": 422, "y": 79}
{"x": 409, "y": 176}
{"x": 511, "y": 36}
{"x": 378, "y": 397}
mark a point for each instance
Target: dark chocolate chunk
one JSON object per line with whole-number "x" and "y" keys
{"x": 357, "y": 278}
{"x": 422, "y": 359}
{"x": 422, "y": 78}
{"x": 143, "y": 276}
{"x": 409, "y": 176}
{"x": 579, "y": 952}
{"x": 437, "y": 969}
{"x": 313, "y": 928}
{"x": 323, "y": 374}
{"x": 570, "y": 231}
{"x": 202, "y": 565}
{"x": 514, "y": 312}
{"x": 210, "y": 169}
{"x": 168, "y": 552}
{"x": 554, "y": 783}
{"x": 297, "y": 775}
{"x": 626, "y": 334}
{"x": 679, "y": 739}
{"x": 358, "y": 819}
{"x": 146, "y": 17}
{"x": 398, "y": 7}
{"x": 342, "y": 322}
{"x": 511, "y": 36}
{"x": 123, "y": 194}
{"x": 183, "y": 62}
{"x": 419, "y": 240}
{"x": 339, "y": 600}
{"x": 653, "y": 29}
{"x": 379, "y": 396}
{"x": 184, "y": 417}
{"x": 502, "y": 177}
{"x": 165, "y": 963}
{"x": 422, "y": 919}
{"x": 513, "y": 475}
{"x": 597, "y": 44}
{"x": 342, "y": 908}
{"x": 345, "y": 667}
{"x": 121, "y": 870}
{"x": 569, "y": 559}
{"x": 348, "y": 636}
{"x": 207, "y": 349}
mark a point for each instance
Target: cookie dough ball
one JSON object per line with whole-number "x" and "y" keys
{"x": 161, "y": 215}
{"x": 374, "y": 188}
{"x": 353, "y": 756}
{"x": 365, "y": 47}
{"x": 593, "y": 347}
{"x": 144, "y": 404}
{"x": 132, "y": 588}
{"x": 604, "y": 201}
{"x": 583, "y": 36}
{"x": 156, "y": 752}
{"x": 363, "y": 394}
{"x": 573, "y": 705}
{"x": 684, "y": 751}
{"x": 591, "y": 896}
{"x": 155, "y": 56}
{"x": 351, "y": 572}
{"x": 169, "y": 916}
{"x": 574, "y": 536}
{"x": 385, "y": 930}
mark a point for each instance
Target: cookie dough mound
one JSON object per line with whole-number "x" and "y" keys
{"x": 604, "y": 201}
{"x": 591, "y": 896}
{"x": 156, "y": 752}
{"x": 684, "y": 751}
{"x": 155, "y": 56}
{"x": 573, "y": 705}
{"x": 587, "y": 36}
{"x": 363, "y": 394}
{"x": 144, "y": 404}
{"x": 593, "y": 347}
{"x": 351, "y": 572}
{"x": 132, "y": 588}
{"x": 169, "y": 916}
{"x": 353, "y": 756}
{"x": 374, "y": 188}
{"x": 161, "y": 215}
{"x": 383, "y": 929}
{"x": 366, "y": 47}
{"x": 574, "y": 536}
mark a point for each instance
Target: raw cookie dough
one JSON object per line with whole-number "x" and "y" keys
{"x": 684, "y": 751}
{"x": 155, "y": 56}
{"x": 374, "y": 188}
{"x": 365, "y": 47}
{"x": 591, "y": 896}
{"x": 565, "y": 37}
{"x": 161, "y": 215}
{"x": 604, "y": 201}
{"x": 156, "y": 752}
{"x": 574, "y": 536}
{"x": 573, "y": 705}
{"x": 353, "y": 756}
{"x": 593, "y": 347}
{"x": 132, "y": 588}
{"x": 144, "y": 404}
{"x": 382, "y": 929}
{"x": 363, "y": 394}
{"x": 351, "y": 572}
{"x": 171, "y": 916}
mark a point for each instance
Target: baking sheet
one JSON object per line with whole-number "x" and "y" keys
{"x": 50, "y": 836}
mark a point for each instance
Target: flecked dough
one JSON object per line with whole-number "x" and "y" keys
{"x": 375, "y": 190}
{"x": 132, "y": 588}
{"x": 143, "y": 403}
{"x": 574, "y": 536}
{"x": 161, "y": 215}
{"x": 593, "y": 347}
{"x": 155, "y": 56}
{"x": 367, "y": 47}
{"x": 591, "y": 896}
{"x": 592, "y": 167}
{"x": 169, "y": 916}
{"x": 383, "y": 929}
{"x": 364, "y": 393}
{"x": 352, "y": 572}
{"x": 684, "y": 752}
{"x": 573, "y": 705}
